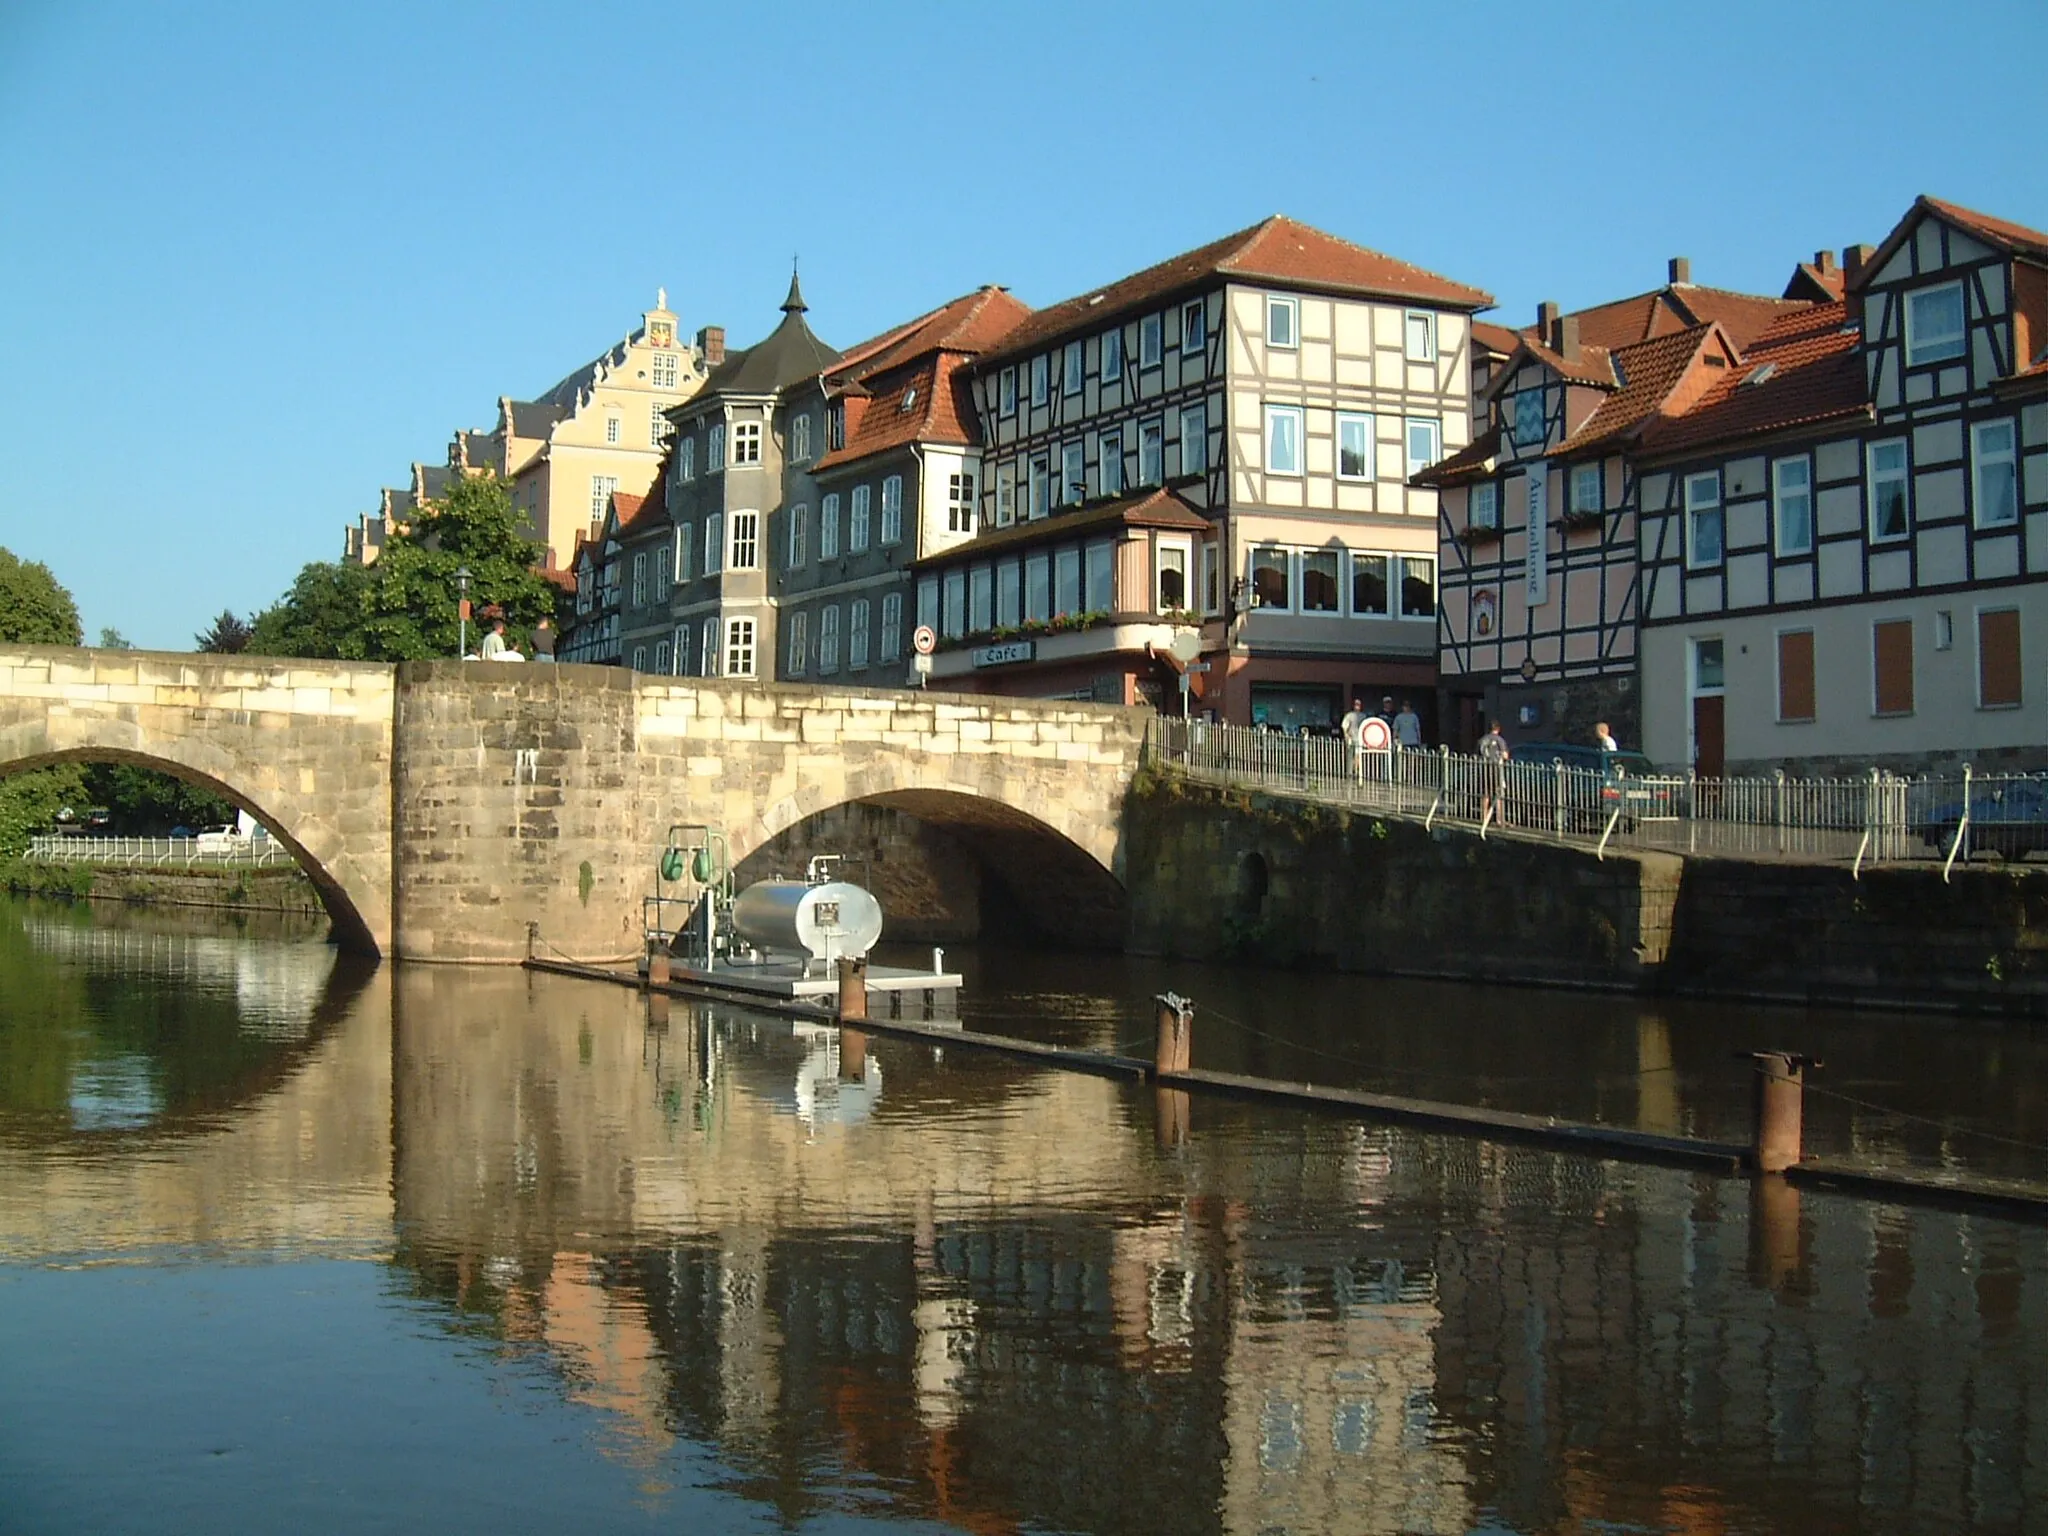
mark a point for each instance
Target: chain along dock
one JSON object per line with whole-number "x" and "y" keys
{"x": 1773, "y": 1151}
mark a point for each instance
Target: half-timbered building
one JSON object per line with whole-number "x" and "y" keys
{"x": 1280, "y": 385}
{"x": 1845, "y": 543}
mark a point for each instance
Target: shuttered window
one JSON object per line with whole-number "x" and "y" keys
{"x": 1998, "y": 658}
{"x": 1891, "y": 647}
{"x": 1795, "y": 675}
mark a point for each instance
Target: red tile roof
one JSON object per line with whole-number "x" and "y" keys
{"x": 1495, "y": 338}
{"x": 1472, "y": 462}
{"x": 1659, "y": 377}
{"x": 2001, "y": 234}
{"x": 1816, "y": 374}
{"x": 565, "y": 580}
{"x": 1674, "y": 308}
{"x": 1278, "y": 250}
{"x": 1156, "y": 508}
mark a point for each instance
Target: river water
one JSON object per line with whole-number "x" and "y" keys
{"x": 291, "y": 1243}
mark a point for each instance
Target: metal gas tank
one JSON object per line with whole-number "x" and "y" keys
{"x": 826, "y": 921}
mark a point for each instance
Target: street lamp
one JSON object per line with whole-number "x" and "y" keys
{"x": 462, "y": 612}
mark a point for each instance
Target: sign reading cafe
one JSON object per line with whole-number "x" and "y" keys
{"x": 1002, "y": 655}
{"x": 1536, "y": 567}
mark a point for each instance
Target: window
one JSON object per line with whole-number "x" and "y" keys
{"x": 1934, "y": 324}
{"x": 1483, "y": 505}
{"x": 659, "y": 428}
{"x": 714, "y": 449}
{"x": 1703, "y": 519}
{"x": 1073, "y": 373}
{"x": 707, "y": 656}
{"x": 828, "y": 526}
{"x": 1998, "y": 658}
{"x": 1066, "y": 581}
{"x": 1369, "y": 586}
{"x": 583, "y": 590}
{"x": 1212, "y": 577}
{"x": 1100, "y": 577}
{"x": 1150, "y": 330}
{"x": 828, "y": 639}
{"x": 612, "y": 428}
{"x": 1073, "y": 475}
{"x": 1944, "y": 629}
{"x": 1588, "y": 494}
{"x": 639, "y": 580}
{"x": 1041, "y": 485}
{"x": 746, "y": 541}
{"x": 1418, "y": 587}
{"x": 684, "y": 544}
{"x": 799, "y": 642}
{"x": 799, "y": 533}
{"x": 928, "y": 603}
{"x": 686, "y": 459}
{"x": 664, "y": 370}
{"x": 1528, "y": 430}
{"x": 1890, "y": 515}
{"x": 1112, "y": 356}
{"x": 1041, "y": 386}
{"x": 835, "y": 425}
{"x": 1354, "y": 447}
{"x": 1009, "y": 595}
{"x": 1283, "y": 323}
{"x": 1792, "y": 507}
{"x": 1996, "y": 486}
{"x": 1421, "y": 337}
{"x": 1319, "y": 590}
{"x": 800, "y": 437}
{"x": 959, "y": 503}
{"x": 1037, "y": 589}
{"x": 1194, "y": 440}
{"x": 1709, "y": 672}
{"x": 1283, "y": 440}
{"x": 714, "y": 543}
{"x": 1151, "y": 453}
{"x": 1112, "y": 467}
{"x": 892, "y": 510}
{"x": 909, "y": 401}
{"x": 1795, "y": 675}
{"x": 857, "y": 634}
{"x": 953, "y": 605}
{"x": 1173, "y": 578}
{"x": 661, "y": 657}
{"x": 1006, "y": 392}
{"x": 746, "y": 442}
{"x": 981, "y": 599}
{"x": 1425, "y": 443}
{"x": 639, "y": 658}
{"x": 1194, "y": 326}
{"x": 685, "y": 633}
{"x": 1891, "y": 656}
{"x": 1270, "y": 583}
{"x": 1006, "y": 495}
{"x": 739, "y": 647}
{"x": 601, "y": 488}
{"x": 892, "y": 626}
{"x": 857, "y": 521}
{"x": 659, "y": 567}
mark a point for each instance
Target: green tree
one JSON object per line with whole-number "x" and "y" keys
{"x": 225, "y": 636}
{"x": 34, "y": 607}
{"x": 111, "y": 639}
{"x": 403, "y": 608}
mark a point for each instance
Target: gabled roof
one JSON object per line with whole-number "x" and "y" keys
{"x": 789, "y": 353}
{"x": 1651, "y": 373}
{"x": 1677, "y": 307}
{"x": 534, "y": 418}
{"x": 1815, "y": 374}
{"x": 1155, "y": 508}
{"x": 1495, "y": 338}
{"x": 1999, "y": 234}
{"x": 1590, "y": 365}
{"x": 974, "y": 322}
{"x": 1277, "y": 250}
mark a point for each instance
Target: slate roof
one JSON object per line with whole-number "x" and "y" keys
{"x": 789, "y": 353}
{"x": 534, "y": 418}
{"x": 1276, "y": 250}
{"x": 1155, "y": 508}
{"x": 1815, "y": 375}
{"x": 432, "y": 480}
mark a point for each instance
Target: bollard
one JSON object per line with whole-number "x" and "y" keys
{"x": 1175, "y": 1044}
{"x": 657, "y": 965}
{"x": 1778, "y": 1108}
{"x": 853, "y": 987}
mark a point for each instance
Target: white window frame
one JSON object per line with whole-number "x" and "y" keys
{"x": 639, "y": 658}
{"x": 1780, "y": 495}
{"x": 686, "y": 459}
{"x": 1212, "y": 577}
{"x": 1195, "y": 337}
{"x": 1873, "y": 478}
{"x": 1066, "y": 563}
{"x": 928, "y": 603}
{"x": 1287, "y": 312}
{"x": 799, "y": 643}
{"x": 892, "y": 626}
{"x": 1410, "y": 321}
{"x": 953, "y": 603}
{"x": 1198, "y": 417}
{"x": 708, "y": 655}
{"x": 1302, "y": 557}
{"x": 744, "y": 552}
{"x": 799, "y": 534}
{"x": 1073, "y": 369}
{"x": 1152, "y": 452}
{"x": 640, "y": 579}
{"x": 1916, "y": 344}
{"x": 1006, "y": 392}
{"x": 1184, "y": 550}
{"x": 981, "y": 599}
{"x": 613, "y": 427}
{"x": 1435, "y": 428}
{"x": 857, "y": 617}
{"x": 714, "y": 543}
{"x": 828, "y": 526}
{"x": 1109, "y": 463}
{"x": 1362, "y": 422}
{"x": 1041, "y": 379}
{"x": 684, "y": 545}
{"x": 1037, "y": 588}
{"x": 800, "y": 437}
{"x": 1981, "y": 459}
{"x": 1073, "y": 486}
{"x": 1397, "y": 596}
{"x": 740, "y": 635}
{"x": 1491, "y": 502}
{"x": 858, "y": 519}
{"x": 960, "y": 497}
{"x": 1593, "y": 475}
{"x": 661, "y": 657}
{"x": 892, "y": 509}
{"x": 664, "y": 370}
{"x": 1290, "y": 418}
{"x": 1286, "y": 567}
{"x": 1009, "y": 594}
{"x": 1039, "y": 486}
{"x": 1111, "y": 353}
{"x": 1006, "y": 494}
{"x": 659, "y": 428}
{"x": 746, "y": 442}
{"x": 1697, "y": 506}
{"x": 828, "y": 640}
{"x": 714, "y": 449}
{"x": 1151, "y": 341}
{"x": 601, "y": 489}
{"x": 658, "y": 569}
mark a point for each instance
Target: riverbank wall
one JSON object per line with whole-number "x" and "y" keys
{"x": 1218, "y": 872}
{"x": 274, "y": 888}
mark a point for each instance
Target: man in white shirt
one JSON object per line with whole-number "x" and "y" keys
{"x": 1408, "y": 727}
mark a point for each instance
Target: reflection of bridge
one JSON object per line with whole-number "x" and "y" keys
{"x": 440, "y": 808}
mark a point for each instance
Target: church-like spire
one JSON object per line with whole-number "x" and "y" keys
{"x": 794, "y": 304}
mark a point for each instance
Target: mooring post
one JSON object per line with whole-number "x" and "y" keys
{"x": 1778, "y": 1108}
{"x": 657, "y": 964}
{"x": 853, "y": 987}
{"x": 1174, "y": 1048}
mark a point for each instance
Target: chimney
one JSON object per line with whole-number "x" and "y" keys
{"x": 1567, "y": 345}
{"x": 1853, "y": 258}
{"x": 1679, "y": 269}
{"x": 1823, "y": 261}
{"x": 1546, "y": 321}
{"x": 711, "y": 342}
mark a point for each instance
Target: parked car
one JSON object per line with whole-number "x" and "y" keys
{"x": 219, "y": 840}
{"x": 181, "y": 832}
{"x": 1629, "y": 781}
{"x": 98, "y": 818}
{"x": 2009, "y": 819}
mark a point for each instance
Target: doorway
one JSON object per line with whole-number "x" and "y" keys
{"x": 1709, "y": 708}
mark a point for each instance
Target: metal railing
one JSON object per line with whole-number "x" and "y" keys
{"x": 1875, "y": 817}
{"x": 208, "y": 852}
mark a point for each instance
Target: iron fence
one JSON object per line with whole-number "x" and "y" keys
{"x": 208, "y": 852}
{"x": 1875, "y": 817}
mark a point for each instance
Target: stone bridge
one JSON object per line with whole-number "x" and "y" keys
{"x": 440, "y": 807}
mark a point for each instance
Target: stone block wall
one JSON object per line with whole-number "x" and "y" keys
{"x": 927, "y": 881}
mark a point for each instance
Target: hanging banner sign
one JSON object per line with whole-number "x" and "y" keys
{"x": 1536, "y": 566}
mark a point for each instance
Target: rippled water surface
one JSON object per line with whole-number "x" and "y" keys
{"x": 289, "y": 1243}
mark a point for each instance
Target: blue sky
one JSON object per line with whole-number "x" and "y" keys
{"x": 254, "y": 261}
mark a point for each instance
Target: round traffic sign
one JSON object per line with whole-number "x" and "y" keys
{"x": 923, "y": 641}
{"x": 1373, "y": 734}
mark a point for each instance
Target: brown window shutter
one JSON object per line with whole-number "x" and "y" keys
{"x": 1998, "y": 658}
{"x": 1795, "y": 675}
{"x": 1891, "y": 644}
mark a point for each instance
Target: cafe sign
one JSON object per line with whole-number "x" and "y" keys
{"x": 1009, "y": 652}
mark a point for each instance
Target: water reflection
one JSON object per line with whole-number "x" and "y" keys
{"x": 908, "y": 1284}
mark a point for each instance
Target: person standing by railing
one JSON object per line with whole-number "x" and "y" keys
{"x": 1493, "y": 761}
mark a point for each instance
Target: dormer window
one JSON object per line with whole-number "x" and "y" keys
{"x": 1934, "y": 324}
{"x": 835, "y": 426}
